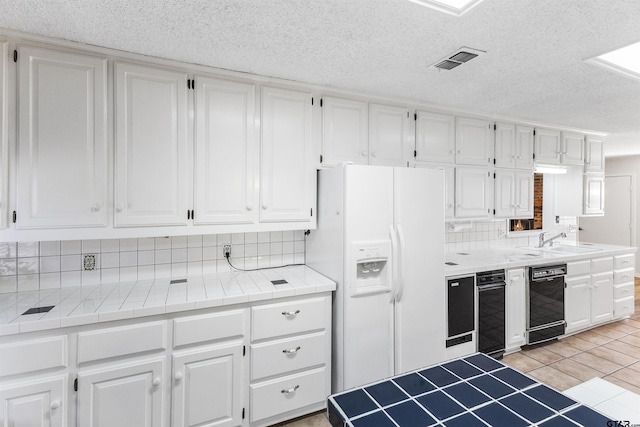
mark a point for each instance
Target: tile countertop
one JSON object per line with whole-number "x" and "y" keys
{"x": 81, "y": 305}
{"x": 498, "y": 258}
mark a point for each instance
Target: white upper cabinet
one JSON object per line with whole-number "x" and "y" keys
{"x": 593, "y": 194}
{"x": 388, "y": 135}
{"x": 474, "y": 142}
{"x": 226, "y": 156}
{"x": 435, "y": 137}
{"x": 548, "y": 146}
{"x": 62, "y": 144}
{"x": 449, "y": 186}
{"x": 513, "y": 194}
{"x": 514, "y": 146}
{"x": 572, "y": 149}
{"x": 594, "y": 154}
{"x": 287, "y": 181}
{"x": 4, "y": 131}
{"x": 473, "y": 192}
{"x": 151, "y": 166}
{"x": 344, "y": 131}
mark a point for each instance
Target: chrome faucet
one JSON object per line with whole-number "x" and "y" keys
{"x": 542, "y": 241}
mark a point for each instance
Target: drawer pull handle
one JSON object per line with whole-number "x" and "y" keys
{"x": 290, "y": 313}
{"x": 291, "y": 390}
{"x": 291, "y": 350}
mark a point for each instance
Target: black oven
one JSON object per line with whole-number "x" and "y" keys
{"x": 545, "y": 319}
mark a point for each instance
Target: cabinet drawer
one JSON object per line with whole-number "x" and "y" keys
{"x": 600, "y": 265}
{"x": 623, "y": 276}
{"x": 623, "y": 291}
{"x": 209, "y": 327}
{"x": 624, "y": 261}
{"x": 33, "y": 355}
{"x": 288, "y": 355}
{"x": 122, "y": 341}
{"x": 287, "y": 394}
{"x": 623, "y": 307}
{"x": 578, "y": 268}
{"x": 287, "y": 318}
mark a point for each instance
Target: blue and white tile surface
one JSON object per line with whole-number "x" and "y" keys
{"x": 472, "y": 391}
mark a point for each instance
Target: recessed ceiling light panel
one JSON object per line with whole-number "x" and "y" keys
{"x": 452, "y": 7}
{"x": 625, "y": 60}
{"x": 457, "y": 58}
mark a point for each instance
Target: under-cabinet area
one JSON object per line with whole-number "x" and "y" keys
{"x": 251, "y": 363}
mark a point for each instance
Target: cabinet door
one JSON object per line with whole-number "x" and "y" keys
{"x": 435, "y": 137}
{"x": 572, "y": 148}
{"x": 505, "y": 147}
{"x": 388, "y": 135}
{"x": 516, "y": 309}
{"x": 288, "y": 176}
{"x": 151, "y": 170}
{"x": 207, "y": 387}
{"x": 601, "y": 297}
{"x": 62, "y": 139}
{"x": 344, "y": 131}
{"x": 547, "y": 146}
{"x": 523, "y": 195}
{"x": 524, "y": 147}
{"x": 473, "y": 193}
{"x": 473, "y": 142}
{"x": 594, "y": 154}
{"x": 504, "y": 193}
{"x": 41, "y": 403}
{"x": 577, "y": 302}
{"x": 4, "y": 133}
{"x": 125, "y": 395}
{"x": 226, "y": 152}
{"x": 594, "y": 195}
{"x": 449, "y": 185}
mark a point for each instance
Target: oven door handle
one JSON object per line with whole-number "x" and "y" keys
{"x": 491, "y": 286}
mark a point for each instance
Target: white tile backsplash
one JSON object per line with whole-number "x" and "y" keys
{"x": 59, "y": 264}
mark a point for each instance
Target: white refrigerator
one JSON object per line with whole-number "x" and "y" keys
{"x": 380, "y": 236}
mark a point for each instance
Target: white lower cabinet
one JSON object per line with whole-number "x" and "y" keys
{"x": 290, "y": 359}
{"x": 40, "y": 402}
{"x": 206, "y": 386}
{"x": 516, "y": 309}
{"x": 601, "y": 297}
{"x": 577, "y": 303}
{"x": 123, "y": 395}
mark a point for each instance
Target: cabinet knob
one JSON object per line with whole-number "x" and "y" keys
{"x": 291, "y": 390}
{"x": 364, "y": 154}
{"x": 249, "y": 207}
{"x": 290, "y": 313}
{"x": 459, "y": 151}
{"x": 450, "y": 151}
{"x": 178, "y": 376}
{"x": 156, "y": 382}
{"x": 450, "y": 205}
{"x": 54, "y": 405}
{"x": 96, "y": 207}
{"x": 291, "y": 350}
{"x": 119, "y": 207}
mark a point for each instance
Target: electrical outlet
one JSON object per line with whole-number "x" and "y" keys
{"x": 89, "y": 262}
{"x": 226, "y": 251}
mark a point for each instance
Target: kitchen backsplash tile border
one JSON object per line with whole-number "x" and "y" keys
{"x": 28, "y": 266}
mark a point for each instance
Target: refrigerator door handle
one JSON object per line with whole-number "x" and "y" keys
{"x": 394, "y": 261}
{"x": 401, "y": 263}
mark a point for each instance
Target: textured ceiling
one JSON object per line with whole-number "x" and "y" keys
{"x": 534, "y": 67}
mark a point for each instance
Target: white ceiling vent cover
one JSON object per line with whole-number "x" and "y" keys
{"x": 459, "y": 57}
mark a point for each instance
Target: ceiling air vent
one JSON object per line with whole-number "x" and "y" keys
{"x": 459, "y": 57}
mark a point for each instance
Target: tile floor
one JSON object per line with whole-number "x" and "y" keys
{"x": 610, "y": 352}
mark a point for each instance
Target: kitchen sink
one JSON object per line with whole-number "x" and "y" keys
{"x": 573, "y": 249}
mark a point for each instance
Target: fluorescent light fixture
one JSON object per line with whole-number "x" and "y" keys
{"x": 452, "y": 7}
{"x": 625, "y": 60}
{"x": 556, "y": 170}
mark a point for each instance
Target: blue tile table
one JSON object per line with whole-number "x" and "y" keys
{"x": 471, "y": 391}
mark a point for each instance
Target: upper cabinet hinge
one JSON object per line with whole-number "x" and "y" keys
{"x": 188, "y": 214}
{"x": 193, "y": 214}
{"x": 534, "y": 156}
{"x": 415, "y": 153}
{"x": 415, "y": 116}
{"x": 494, "y": 175}
{"x": 495, "y": 127}
{"x": 188, "y": 83}
{"x": 407, "y": 114}
{"x": 321, "y": 158}
{"x": 321, "y": 102}
{"x": 534, "y": 132}
{"x": 15, "y": 55}
{"x": 15, "y": 217}
{"x": 244, "y": 350}
{"x": 494, "y": 161}
{"x": 243, "y": 413}
{"x": 311, "y": 211}
{"x": 75, "y": 385}
{"x": 312, "y": 100}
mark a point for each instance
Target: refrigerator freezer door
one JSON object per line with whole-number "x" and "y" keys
{"x": 420, "y": 302}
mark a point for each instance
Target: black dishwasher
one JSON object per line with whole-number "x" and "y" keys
{"x": 460, "y": 310}
{"x": 491, "y": 312}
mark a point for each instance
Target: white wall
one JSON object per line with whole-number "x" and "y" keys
{"x": 628, "y": 165}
